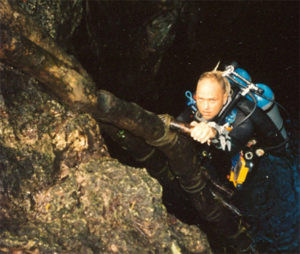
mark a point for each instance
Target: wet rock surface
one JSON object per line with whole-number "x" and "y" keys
{"x": 62, "y": 192}
{"x": 59, "y": 19}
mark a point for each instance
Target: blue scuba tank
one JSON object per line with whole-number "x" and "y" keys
{"x": 268, "y": 105}
{"x": 244, "y": 74}
{"x": 265, "y": 101}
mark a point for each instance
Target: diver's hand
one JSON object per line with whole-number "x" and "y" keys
{"x": 202, "y": 133}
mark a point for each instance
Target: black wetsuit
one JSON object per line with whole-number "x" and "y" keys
{"x": 215, "y": 164}
{"x": 258, "y": 127}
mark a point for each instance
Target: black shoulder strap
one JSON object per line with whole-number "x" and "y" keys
{"x": 264, "y": 126}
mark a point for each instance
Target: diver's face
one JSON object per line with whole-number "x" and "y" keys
{"x": 210, "y": 98}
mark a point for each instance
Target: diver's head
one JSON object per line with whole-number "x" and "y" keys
{"x": 211, "y": 93}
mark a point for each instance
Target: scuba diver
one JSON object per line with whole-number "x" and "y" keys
{"x": 237, "y": 117}
{"x": 236, "y": 122}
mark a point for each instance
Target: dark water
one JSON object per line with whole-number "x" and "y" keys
{"x": 270, "y": 203}
{"x": 263, "y": 37}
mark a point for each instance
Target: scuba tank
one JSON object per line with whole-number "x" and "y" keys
{"x": 268, "y": 105}
{"x": 263, "y": 97}
{"x": 243, "y": 73}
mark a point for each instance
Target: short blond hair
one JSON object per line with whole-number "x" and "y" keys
{"x": 217, "y": 76}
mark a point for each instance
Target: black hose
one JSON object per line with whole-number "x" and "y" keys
{"x": 252, "y": 111}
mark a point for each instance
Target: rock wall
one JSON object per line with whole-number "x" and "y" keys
{"x": 60, "y": 191}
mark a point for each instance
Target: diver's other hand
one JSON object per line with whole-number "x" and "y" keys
{"x": 201, "y": 132}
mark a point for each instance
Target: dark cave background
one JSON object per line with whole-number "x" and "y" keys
{"x": 262, "y": 36}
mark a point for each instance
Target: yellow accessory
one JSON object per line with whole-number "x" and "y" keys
{"x": 239, "y": 172}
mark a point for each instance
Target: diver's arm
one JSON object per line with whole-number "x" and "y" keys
{"x": 202, "y": 132}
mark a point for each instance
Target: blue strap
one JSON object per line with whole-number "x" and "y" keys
{"x": 191, "y": 102}
{"x": 230, "y": 118}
